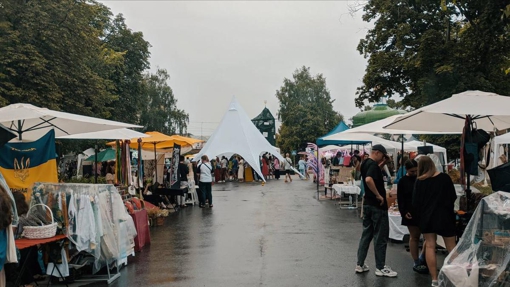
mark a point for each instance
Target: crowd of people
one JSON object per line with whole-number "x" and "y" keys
{"x": 426, "y": 200}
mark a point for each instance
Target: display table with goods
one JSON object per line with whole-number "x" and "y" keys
{"x": 24, "y": 243}
{"x": 482, "y": 256}
{"x": 397, "y": 230}
{"x": 352, "y": 189}
{"x": 94, "y": 219}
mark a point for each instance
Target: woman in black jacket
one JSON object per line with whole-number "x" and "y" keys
{"x": 405, "y": 188}
{"x": 433, "y": 202}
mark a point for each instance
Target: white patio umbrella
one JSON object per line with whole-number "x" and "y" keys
{"x": 488, "y": 111}
{"x": 378, "y": 127}
{"x": 116, "y": 134}
{"x": 29, "y": 122}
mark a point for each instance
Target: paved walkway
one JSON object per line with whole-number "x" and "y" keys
{"x": 272, "y": 235}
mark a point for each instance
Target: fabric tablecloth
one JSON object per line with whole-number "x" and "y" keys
{"x": 397, "y": 230}
{"x": 143, "y": 237}
{"x": 347, "y": 189}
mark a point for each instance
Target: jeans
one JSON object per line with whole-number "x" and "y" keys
{"x": 376, "y": 226}
{"x": 205, "y": 192}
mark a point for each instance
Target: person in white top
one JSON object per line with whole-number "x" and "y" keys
{"x": 288, "y": 167}
{"x": 205, "y": 183}
{"x": 224, "y": 165}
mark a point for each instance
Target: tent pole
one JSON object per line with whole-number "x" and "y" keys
{"x": 95, "y": 162}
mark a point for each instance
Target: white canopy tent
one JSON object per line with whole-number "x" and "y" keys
{"x": 355, "y": 137}
{"x": 498, "y": 149}
{"x": 438, "y": 150}
{"x": 488, "y": 110}
{"x": 30, "y": 123}
{"x": 236, "y": 134}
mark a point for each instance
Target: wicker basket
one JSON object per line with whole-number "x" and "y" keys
{"x": 38, "y": 232}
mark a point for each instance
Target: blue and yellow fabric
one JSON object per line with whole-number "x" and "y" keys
{"x": 23, "y": 164}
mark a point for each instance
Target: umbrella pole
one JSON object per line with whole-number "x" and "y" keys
{"x": 95, "y": 163}
{"x": 402, "y": 158}
{"x": 155, "y": 164}
{"x": 19, "y": 130}
{"x": 317, "y": 179}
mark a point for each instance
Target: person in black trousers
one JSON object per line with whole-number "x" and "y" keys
{"x": 433, "y": 202}
{"x": 405, "y": 190}
{"x": 205, "y": 183}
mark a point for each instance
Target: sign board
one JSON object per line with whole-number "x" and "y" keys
{"x": 174, "y": 167}
{"x": 293, "y": 152}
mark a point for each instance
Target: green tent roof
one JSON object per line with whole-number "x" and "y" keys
{"x": 105, "y": 155}
{"x": 379, "y": 112}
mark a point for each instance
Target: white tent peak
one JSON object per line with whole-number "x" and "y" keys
{"x": 236, "y": 134}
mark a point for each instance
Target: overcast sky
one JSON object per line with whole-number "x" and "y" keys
{"x": 215, "y": 50}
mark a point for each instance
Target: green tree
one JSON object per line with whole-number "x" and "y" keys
{"x": 160, "y": 112}
{"x": 425, "y": 51}
{"x": 306, "y": 110}
{"x": 51, "y": 56}
{"x": 127, "y": 77}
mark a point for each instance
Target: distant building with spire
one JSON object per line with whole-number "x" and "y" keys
{"x": 265, "y": 123}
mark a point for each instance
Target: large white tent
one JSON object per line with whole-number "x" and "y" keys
{"x": 236, "y": 134}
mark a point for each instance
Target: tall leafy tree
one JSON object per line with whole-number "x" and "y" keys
{"x": 306, "y": 110}
{"x": 160, "y": 112}
{"x": 127, "y": 77}
{"x": 425, "y": 51}
{"x": 51, "y": 55}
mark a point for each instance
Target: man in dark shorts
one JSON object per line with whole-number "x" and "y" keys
{"x": 375, "y": 214}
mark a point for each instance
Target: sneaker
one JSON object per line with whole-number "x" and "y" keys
{"x": 421, "y": 268}
{"x": 360, "y": 269}
{"x": 435, "y": 283}
{"x": 386, "y": 272}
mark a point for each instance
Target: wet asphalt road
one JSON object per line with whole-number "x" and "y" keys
{"x": 272, "y": 235}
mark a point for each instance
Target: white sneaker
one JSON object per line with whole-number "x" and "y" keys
{"x": 435, "y": 283}
{"x": 386, "y": 272}
{"x": 360, "y": 269}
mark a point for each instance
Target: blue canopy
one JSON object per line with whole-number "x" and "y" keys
{"x": 339, "y": 128}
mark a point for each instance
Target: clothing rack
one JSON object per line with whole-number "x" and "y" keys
{"x": 78, "y": 190}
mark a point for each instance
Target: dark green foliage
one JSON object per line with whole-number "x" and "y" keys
{"x": 306, "y": 110}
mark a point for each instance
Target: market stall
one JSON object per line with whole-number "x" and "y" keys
{"x": 482, "y": 255}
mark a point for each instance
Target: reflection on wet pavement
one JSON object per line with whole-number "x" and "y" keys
{"x": 272, "y": 235}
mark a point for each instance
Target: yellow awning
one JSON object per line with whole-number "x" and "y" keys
{"x": 160, "y": 141}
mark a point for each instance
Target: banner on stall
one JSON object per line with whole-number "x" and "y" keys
{"x": 22, "y": 164}
{"x": 174, "y": 167}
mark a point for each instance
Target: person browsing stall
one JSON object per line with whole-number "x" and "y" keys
{"x": 405, "y": 190}
{"x": 433, "y": 200}
{"x": 375, "y": 214}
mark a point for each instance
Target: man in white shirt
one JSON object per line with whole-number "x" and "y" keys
{"x": 205, "y": 183}
{"x": 288, "y": 167}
